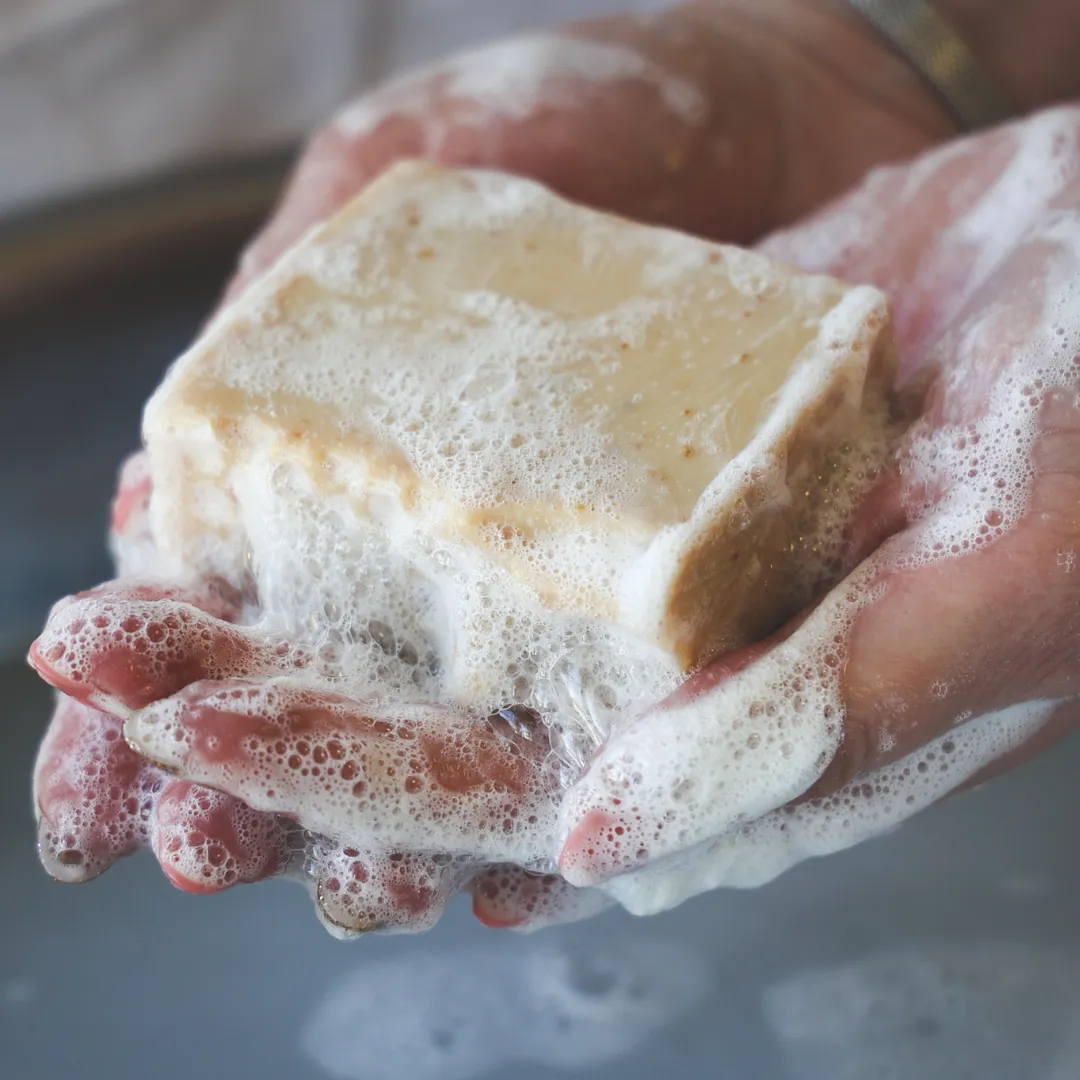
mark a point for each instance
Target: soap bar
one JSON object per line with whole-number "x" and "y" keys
{"x": 505, "y": 394}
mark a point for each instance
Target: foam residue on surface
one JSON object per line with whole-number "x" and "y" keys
{"x": 456, "y": 1014}
{"x": 936, "y": 1012}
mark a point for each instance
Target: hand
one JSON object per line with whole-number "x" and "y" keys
{"x": 651, "y": 119}
{"x": 951, "y": 652}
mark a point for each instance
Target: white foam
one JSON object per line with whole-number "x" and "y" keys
{"x": 762, "y": 849}
{"x": 511, "y": 80}
{"x": 454, "y": 1014}
{"x": 936, "y": 1012}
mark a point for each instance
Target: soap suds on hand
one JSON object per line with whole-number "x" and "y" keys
{"x": 514, "y": 79}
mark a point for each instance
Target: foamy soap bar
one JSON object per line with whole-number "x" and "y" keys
{"x": 534, "y": 411}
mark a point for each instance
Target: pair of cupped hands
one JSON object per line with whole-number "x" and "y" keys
{"x": 803, "y": 131}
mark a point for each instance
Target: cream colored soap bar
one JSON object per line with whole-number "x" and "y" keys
{"x": 632, "y": 425}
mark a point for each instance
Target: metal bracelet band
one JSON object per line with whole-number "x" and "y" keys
{"x": 921, "y": 36}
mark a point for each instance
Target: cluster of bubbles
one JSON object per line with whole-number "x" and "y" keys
{"x": 100, "y": 800}
{"x": 404, "y": 778}
{"x": 563, "y": 1003}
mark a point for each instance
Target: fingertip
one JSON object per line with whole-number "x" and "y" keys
{"x": 359, "y": 893}
{"x": 91, "y": 793}
{"x": 133, "y": 491}
{"x": 206, "y": 841}
{"x": 508, "y": 897}
{"x": 179, "y": 880}
{"x": 496, "y": 903}
{"x": 44, "y": 660}
{"x": 141, "y": 733}
{"x": 599, "y": 847}
{"x": 486, "y": 916}
{"x": 121, "y": 647}
{"x": 63, "y": 858}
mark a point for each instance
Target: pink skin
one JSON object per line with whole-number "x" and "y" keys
{"x": 132, "y": 500}
{"x": 123, "y": 646}
{"x": 99, "y": 800}
{"x": 120, "y": 647}
{"x": 793, "y": 103}
{"x": 205, "y": 838}
{"x": 95, "y": 795}
{"x": 207, "y": 841}
{"x": 342, "y": 770}
{"x": 361, "y": 891}
{"x": 509, "y": 898}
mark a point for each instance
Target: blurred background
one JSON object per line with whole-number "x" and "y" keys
{"x": 141, "y": 141}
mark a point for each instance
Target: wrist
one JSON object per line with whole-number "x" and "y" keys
{"x": 1032, "y": 48}
{"x": 832, "y": 35}
{"x": 845, "y": 102}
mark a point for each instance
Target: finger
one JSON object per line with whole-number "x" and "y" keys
{"x": 131, "y": 538}
{"x": 359, "y": 892}
{"x": 98, "y": 800}
{"x": 398, "y": 778}
{"x": 934, "y": 649}
{"x": 761, "y": 849}
{"x": 508, "y": 897}
{"x": 965, "y": 208}
{"x": 131, "y": 503}
{"x": 963, "y": 637}
{"x": 134, "y": 550}
{"x": 206, "y": 841}
{"x": 123, "y": 645}
{"x": 698, "y": 765}
{"x": 94, "y": 795}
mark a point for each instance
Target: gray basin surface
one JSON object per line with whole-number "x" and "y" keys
{"x": 947, "y": 950}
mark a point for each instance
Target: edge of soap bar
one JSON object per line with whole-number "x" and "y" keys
{"x": 759, "y": 528}
{"x": 850, "y": 362}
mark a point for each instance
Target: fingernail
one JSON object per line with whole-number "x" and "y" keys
{"x": 599, "y": 847}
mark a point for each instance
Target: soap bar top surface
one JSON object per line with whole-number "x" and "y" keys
{"x": 514, "y": 368}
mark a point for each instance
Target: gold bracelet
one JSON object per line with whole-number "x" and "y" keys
{"x": 915, "y": 30}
